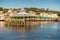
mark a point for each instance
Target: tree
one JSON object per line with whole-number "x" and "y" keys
{"x": 1, "y": 9}
{"x": 47, "y": 10}
{"x": 42, "y": 10}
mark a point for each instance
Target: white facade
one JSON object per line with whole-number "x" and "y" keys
{"x": 22, "y": 11}
{"x": 54, "y": 16}
{"x": 49, "y": 15}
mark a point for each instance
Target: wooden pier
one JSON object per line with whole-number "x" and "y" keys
{"x": 22, "y": 20}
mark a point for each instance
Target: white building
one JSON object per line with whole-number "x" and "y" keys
{"x": 51, "y": 15}
{"x": 54, "y": 16}
{"x": 23, "y": 13}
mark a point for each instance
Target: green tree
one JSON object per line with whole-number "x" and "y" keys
{"x": 1, "y": 8}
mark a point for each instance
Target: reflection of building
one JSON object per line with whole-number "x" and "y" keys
{"x": 23, "y": 28}
{"x": 2, "y": 24}
{"x": 54, "y": 25}
{"x": 49, "y": 24}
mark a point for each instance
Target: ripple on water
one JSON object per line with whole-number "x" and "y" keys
{"x": 41, "y": 31}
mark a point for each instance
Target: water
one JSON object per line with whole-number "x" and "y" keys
{"x": 33, "y": 31}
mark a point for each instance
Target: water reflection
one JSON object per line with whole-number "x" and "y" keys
{"x": 31, "y": 31}
{"x": 2, "y": 24}
{"x": 34, "y": 25}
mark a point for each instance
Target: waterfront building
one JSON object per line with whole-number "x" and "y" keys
{"x": 2, "y": 15}
{"x": 54, "y": 15}
{"x": 49, "y": 15}
{"x": 15, "y": 12}
{"x": 43, "y": 14}
{"x": 23, "y": 12}
{"x": 10, "y": 11}
{"x": 1, "y": 12}
{"x": 30, "y": 16}
{"x": 32, "y": 13}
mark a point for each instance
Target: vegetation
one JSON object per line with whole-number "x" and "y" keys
{"x": 1, "y": 8}
{"x": 37, "y": 10}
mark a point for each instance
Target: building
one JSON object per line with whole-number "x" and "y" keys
{"x": 23, "y": 12}
{"x": 2, "y": 15}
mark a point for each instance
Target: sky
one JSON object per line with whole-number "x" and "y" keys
{"x": 51, "y": 4}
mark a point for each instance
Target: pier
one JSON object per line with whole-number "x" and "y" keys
{"x": 23, "y": 20}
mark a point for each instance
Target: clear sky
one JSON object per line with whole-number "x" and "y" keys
{"x": 51, "y": 4}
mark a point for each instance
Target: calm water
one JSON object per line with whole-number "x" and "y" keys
{"x": 33, "y": 31}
